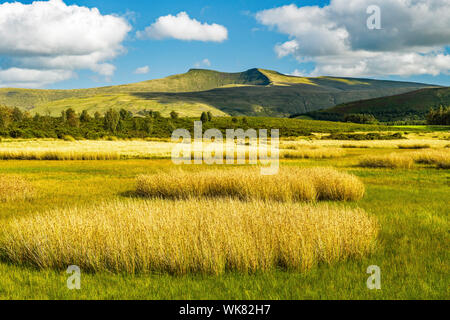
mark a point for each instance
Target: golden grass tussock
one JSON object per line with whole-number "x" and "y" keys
{"x": 190, "y": 236}
{"x": 414, "y": 146}
{"x": 14, "y": 188}
{"x": 57, "y": 155}
{"x": 392, "y": 161}
{"x": 440, "y": 158}
{"x": 290, "y": 184}
{"x": 322, "y": 153}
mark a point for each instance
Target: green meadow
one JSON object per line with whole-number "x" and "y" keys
{"x": 410, "y": 205}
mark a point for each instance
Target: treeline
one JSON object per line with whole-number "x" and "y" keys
{"x": 121, "y": 124}
{"x": 15, "y": 123}
{"x": 439, "y": 116}
{"x": 390, "y": 118}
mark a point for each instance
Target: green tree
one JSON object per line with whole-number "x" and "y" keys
{"x": 17, "y": 115}
{"x": 210, "y": 116}
{"x": 97, "y": 115}
{"x": 204, "y": 117}
{"x": 148, "y": 125}
{"x": 85, "y": 117}
{"x": 174, "y": 115}
{"x": 111, "y": 121}
{"x": 72, "y": 118}
{"x": 125, "y": 114}
{"x": 5, "y": 117}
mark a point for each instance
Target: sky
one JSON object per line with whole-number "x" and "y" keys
{"x": 60, "y": 44}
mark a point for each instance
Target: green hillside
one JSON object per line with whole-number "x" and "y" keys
{"x": 255, "y": 92}
{"x": 398, "y": 107}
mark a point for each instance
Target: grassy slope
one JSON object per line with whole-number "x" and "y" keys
{"x": 254, "y": 92}
{"x": 394, "y": 107}
{"x": 410, "y": 205}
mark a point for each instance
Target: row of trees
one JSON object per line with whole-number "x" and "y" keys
{"x": 121, "y": 123}
{"x": 439, "y": 116}
{"x": 361, "y": 118}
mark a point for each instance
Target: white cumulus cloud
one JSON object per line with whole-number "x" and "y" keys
{"x": 413, "y": 38}
{"x": 142, "y": 70}
{"x": 49, "y": 40}
{"x": 182, "y": 27}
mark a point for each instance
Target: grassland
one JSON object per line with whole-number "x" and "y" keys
{"x": 188, "y": 237}
{"x": 410, "y": 208}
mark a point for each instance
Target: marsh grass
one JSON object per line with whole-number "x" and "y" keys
{"x": 58, "y": 155}
{"x": 322, "y": 153}
{"x": 193, "y": 236}
{"x": 439, "y": 158}
{"x": 290, "y": 184}
{"x": 14, "y": 188}
{"x": 414, "y": 146}
{"x": 392, "y": 161}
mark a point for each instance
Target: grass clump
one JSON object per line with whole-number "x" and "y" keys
{"x": 392, "y": 161}
{"x": 290, "y": 184}
{"x": 324, "y": 153}
{"x": 414, "y": 146}
{"x": 14, "y": 188}
{"x": 439, "y": 158}
{"x": 57, "y": 155}
{"x": 353, "y": 146}
{"x": 193, "y": 236}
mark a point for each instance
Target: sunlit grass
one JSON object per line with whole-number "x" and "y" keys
{"x": 290, "y": 184}
{"x": 15, "y": 188}
{"x": 392, "y": 161}
{"x": 194, "y": 236}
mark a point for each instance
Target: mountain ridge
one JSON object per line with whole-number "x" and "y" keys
{"x": 407, "y": 106}
{"x": 256, "y": 92}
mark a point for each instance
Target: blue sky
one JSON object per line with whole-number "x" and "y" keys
{"x": 261, "y": 33}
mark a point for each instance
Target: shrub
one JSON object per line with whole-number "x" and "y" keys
{"x": 194, "y": 236}
{"x": 290, "y": 184}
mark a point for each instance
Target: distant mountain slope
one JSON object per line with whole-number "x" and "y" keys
{"x": 398, "y": 107}
{"x": 255, "y": 92}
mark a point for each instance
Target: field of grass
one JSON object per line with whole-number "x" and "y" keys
{"x": 93, "y": 205}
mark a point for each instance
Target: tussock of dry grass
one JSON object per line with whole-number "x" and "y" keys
{"x": 440, "y": 158}
{"x": 195, "y": 236}
{"x": 290, "y": 184}
{"x": 324, "y": 153}
{"x": 353, "y": 146}
{"x": 57, "y": 155}
{"x": 14, "y": 188}
{"x": 414, "y": 146}
{"x": 392, "y": 161}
